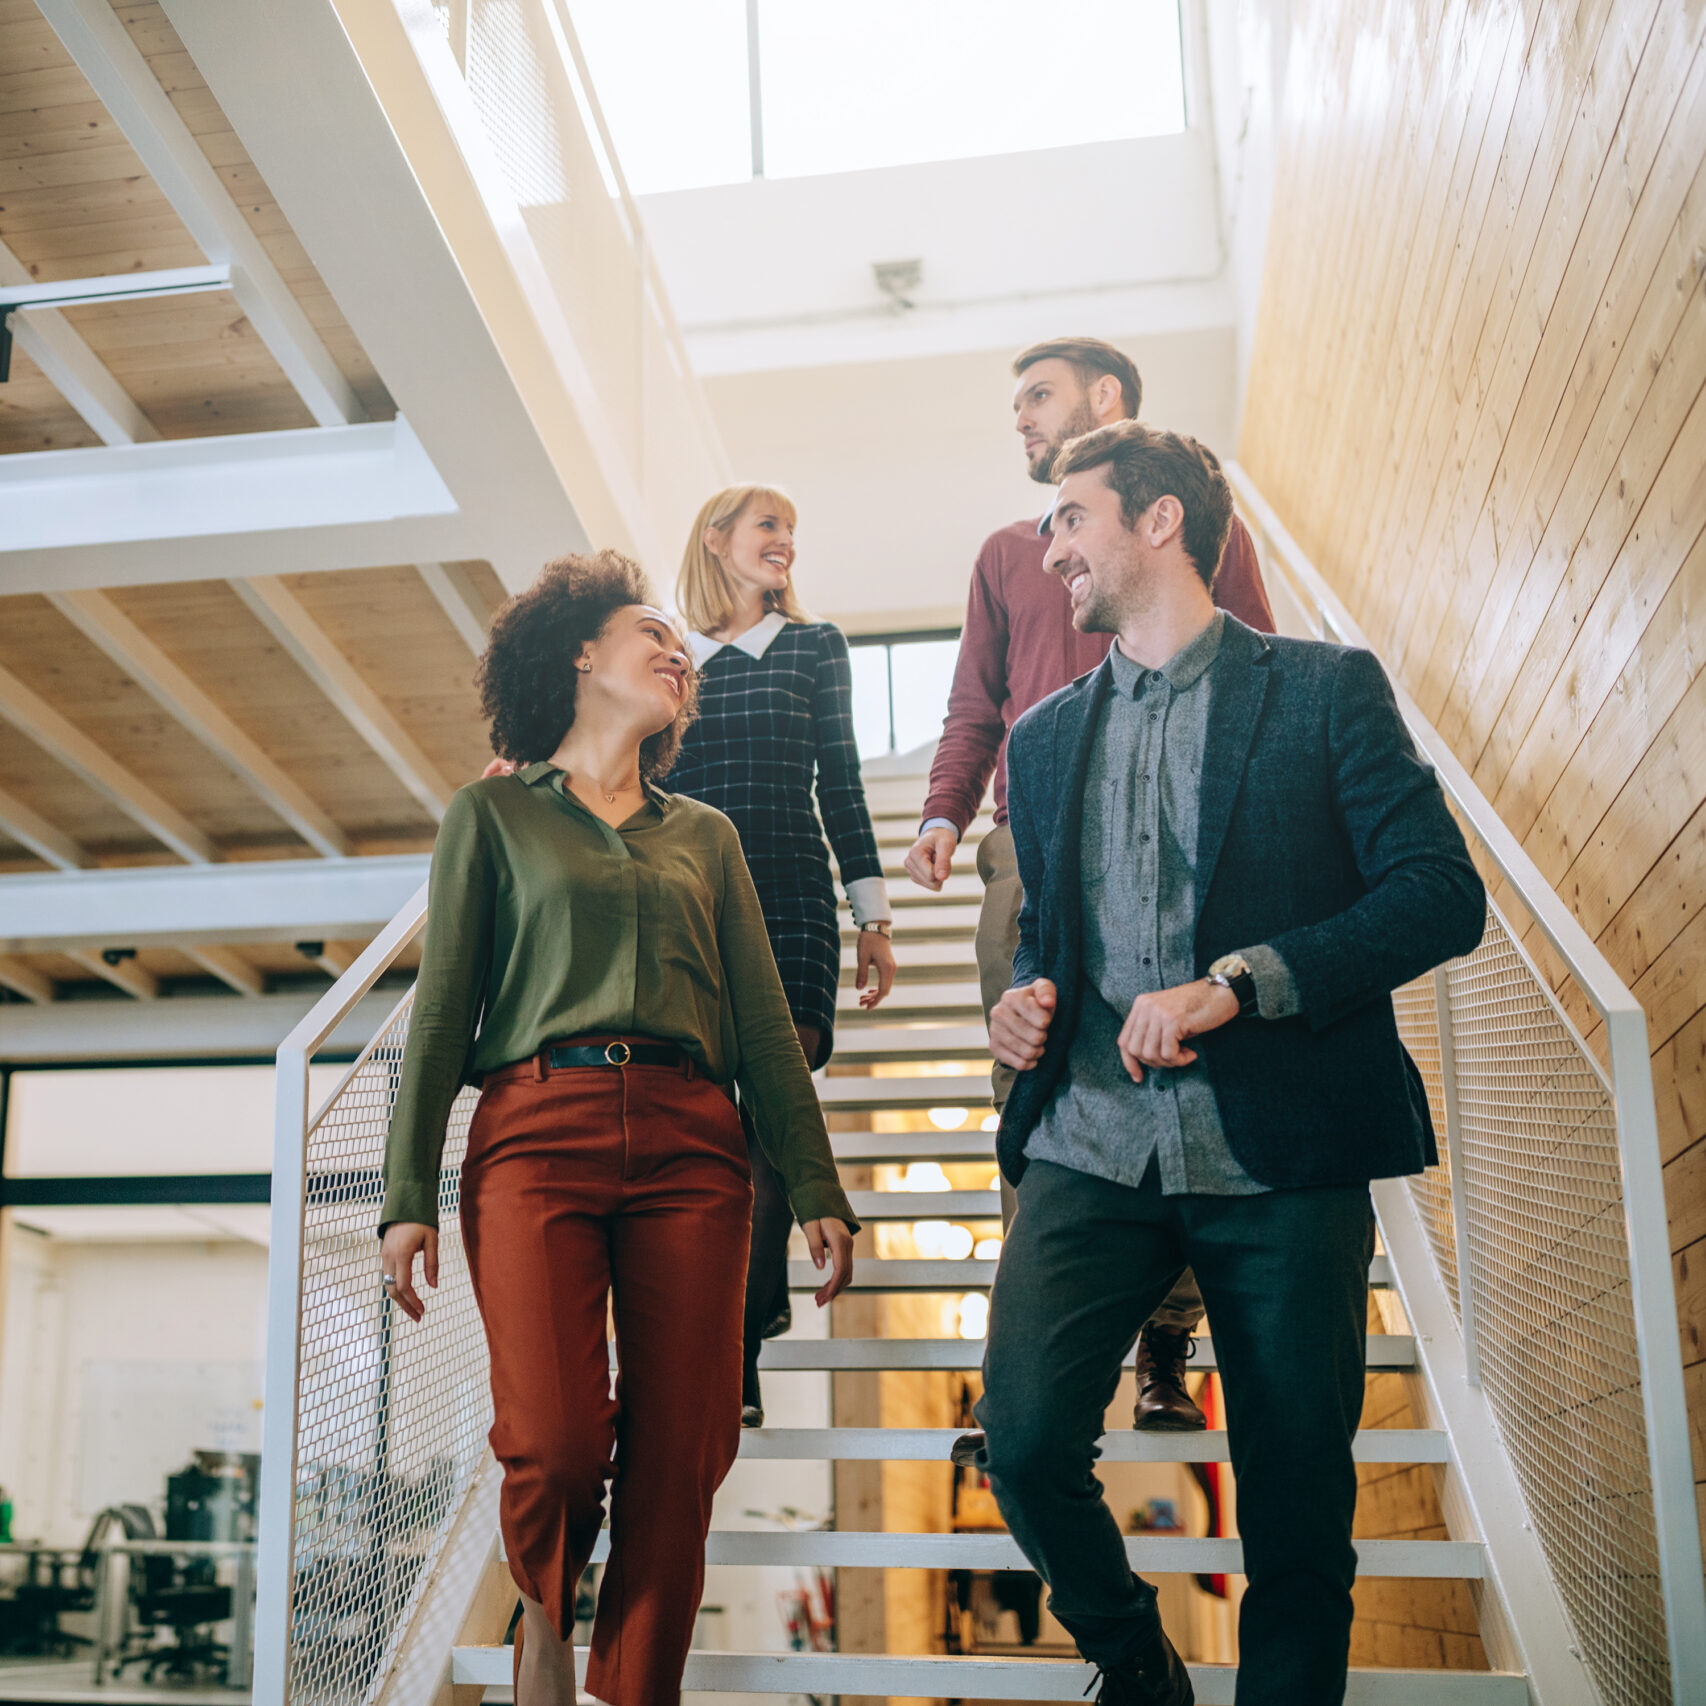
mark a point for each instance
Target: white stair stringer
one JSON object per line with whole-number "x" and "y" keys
{"x": 998, "y": 1679}
{"x": 1523, "y": 1621}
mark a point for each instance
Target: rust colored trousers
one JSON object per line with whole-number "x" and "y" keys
{"x": 628, "y": 1183}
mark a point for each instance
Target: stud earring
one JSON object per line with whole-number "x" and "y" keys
{"x": 584, "y": 668}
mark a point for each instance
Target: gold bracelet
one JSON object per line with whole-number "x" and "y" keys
{"x": 880, "y": 925}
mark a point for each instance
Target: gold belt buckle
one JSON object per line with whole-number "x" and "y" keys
{"x": 613, "y": 1057}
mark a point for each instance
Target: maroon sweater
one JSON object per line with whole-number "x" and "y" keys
{"x": 1019, "y": 645}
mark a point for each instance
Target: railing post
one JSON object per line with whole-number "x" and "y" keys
{"x": 276, "y": 1517}
{"x": 1659, "y": 1353}
{"x": 1459, "y": 1183}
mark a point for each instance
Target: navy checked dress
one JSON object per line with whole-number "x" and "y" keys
{"x": 772, "y": 729}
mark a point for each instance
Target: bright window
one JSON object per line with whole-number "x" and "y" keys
{"x": 899, "y": 82}
{"x": 900, "y": 692}
{"x": 670, "y": 76}
{"x": 884, "y": 83}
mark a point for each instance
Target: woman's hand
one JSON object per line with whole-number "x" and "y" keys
{"x": 403, "y": 1241}
{"x": 830, "y": 1240}
{"x": 876, "y": 952}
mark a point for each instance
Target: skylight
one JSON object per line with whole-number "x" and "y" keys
{"x": 845, "y": 88}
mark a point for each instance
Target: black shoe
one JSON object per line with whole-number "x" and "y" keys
{"x": 779, "y": 1323}
{"x": 1163, "y": 1405}
{"x": 1155, "y": 1676}
{"x": 966, "y": 1450}
{"x": 752, "y": 1415}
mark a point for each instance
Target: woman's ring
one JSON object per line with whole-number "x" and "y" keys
{"x": 389, "y": 1279}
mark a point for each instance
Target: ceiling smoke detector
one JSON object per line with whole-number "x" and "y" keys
{"x": 899, "y": 280}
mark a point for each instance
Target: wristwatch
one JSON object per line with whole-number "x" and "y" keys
{"x": 1232, "y": 971}
{"x": 880, "y": 925}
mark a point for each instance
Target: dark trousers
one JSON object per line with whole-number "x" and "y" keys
{"x": 767, "y": 1261}
{"x": 630, "y": 1185}
{"x": 1285, "y": 1278}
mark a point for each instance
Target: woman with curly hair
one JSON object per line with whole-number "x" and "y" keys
{"x": 775, "y": 725}
{"x": 596, "y": 960}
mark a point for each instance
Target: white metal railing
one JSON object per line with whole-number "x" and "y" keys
{"x": 374, "y": 1428}
{"x": 1546, "y": 1223}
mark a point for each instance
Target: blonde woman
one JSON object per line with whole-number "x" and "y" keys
{"x": 776, "y": 724}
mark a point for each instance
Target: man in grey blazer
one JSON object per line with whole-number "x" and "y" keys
{"x": 1231, "y": 856}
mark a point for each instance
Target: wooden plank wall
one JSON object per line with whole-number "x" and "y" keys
{"x": 1476, "y": 399}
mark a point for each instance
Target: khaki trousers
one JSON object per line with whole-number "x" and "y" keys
{"x": 997, "y": 939}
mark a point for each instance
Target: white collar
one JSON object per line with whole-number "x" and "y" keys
{"x": 755, "y": 642}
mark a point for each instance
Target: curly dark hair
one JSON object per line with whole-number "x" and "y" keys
{"x": 527, "y": 679}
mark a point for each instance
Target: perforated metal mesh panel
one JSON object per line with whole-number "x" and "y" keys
{"x": 1418, "y": 1024}
{"x": 391, "y": 1416}
{"x": 1554, "y": 1321}
{"x": 507, "y": 76}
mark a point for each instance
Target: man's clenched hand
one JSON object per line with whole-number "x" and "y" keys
{"x": 931, "y": 857}
{"x": 1018, "y": 1025}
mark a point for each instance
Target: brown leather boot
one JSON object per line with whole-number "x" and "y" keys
{"x": 1163, "y": 1405}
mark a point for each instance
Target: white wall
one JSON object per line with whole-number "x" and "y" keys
{"x": 902, "y": 468}
{"x": 119, "y": 1360}
{"x": 778, "y": 272}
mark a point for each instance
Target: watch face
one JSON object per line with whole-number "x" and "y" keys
{"x": 1230, "y": 965}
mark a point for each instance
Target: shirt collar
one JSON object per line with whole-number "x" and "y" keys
{"x": 1183, "y": 669}
{"x": 544, "y": 770}
{"x": 755, "y": 642}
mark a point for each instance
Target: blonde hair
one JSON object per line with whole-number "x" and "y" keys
{"x": 703, "y": 592}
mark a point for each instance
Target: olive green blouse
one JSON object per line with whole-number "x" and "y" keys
{"x": 544, "y": 923}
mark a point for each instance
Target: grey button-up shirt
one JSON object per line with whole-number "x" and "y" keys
{"x": 1138, "y": 858}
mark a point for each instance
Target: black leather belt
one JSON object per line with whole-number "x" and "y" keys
{"x": 614, "y": 1054}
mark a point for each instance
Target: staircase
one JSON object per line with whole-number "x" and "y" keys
{"x": 1528, "y": 1298}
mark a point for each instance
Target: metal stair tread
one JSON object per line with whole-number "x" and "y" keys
{"x": 947, "y": 1275}
{"x": 913, "y": 951}
{"x": 875, "y": 1041}
{"x": 1162, "y": 1554}
{"x": 971, "y": 1088}
{"x": 1122, "y": 1445}
{"x": 926, "y": 1205}
{"x": 861, "y": 1148}
{"x": 956, "y": 994}
{"x": 1385, "y": 1353}
{"x": 935, "y": 1677}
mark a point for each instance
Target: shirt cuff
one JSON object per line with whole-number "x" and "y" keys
{"x": 931, "y": 823}
{"x": 1276, "y": 989}
{"x": 869, "y": 898}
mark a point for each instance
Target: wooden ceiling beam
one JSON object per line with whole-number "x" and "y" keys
{"x": 127, "y": 975}
{"x": 152, "y": 670}
{"x": 104, "y": 52}
{"x": 288, "y": 621}
{"x": 34, "y": 831}
{"x": 30, "y": 713}
{"x": 238, "y": 902}
{"x": 73, "y": 369}
{"x": 25, "y": 980}
{"x": 460, "y": 600}
{"x": 231, "y": 969}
